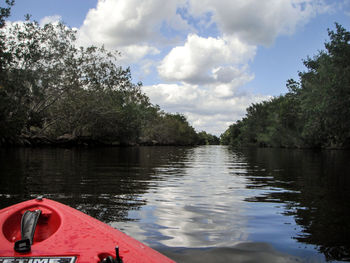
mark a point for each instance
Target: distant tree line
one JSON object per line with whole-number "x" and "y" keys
{"x": 315, "y": 112}
{"x": 205, "y": 138}
{"x": 52, "y": 91}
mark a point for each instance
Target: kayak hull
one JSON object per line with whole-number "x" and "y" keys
{"x": 64, "y": 234}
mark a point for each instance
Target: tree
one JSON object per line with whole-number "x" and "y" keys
{"x": 325, "y": 93}
{"x": 315, "y": 111}
{"x": 52, "y": 89}
{"x": 170, "y": 129}
{"x": 10, "y": 116}
{"x": 58, "y": 88}
{"x": 205, "y": 138}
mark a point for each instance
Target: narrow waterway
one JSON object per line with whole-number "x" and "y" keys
{"x": 208, "y": 202}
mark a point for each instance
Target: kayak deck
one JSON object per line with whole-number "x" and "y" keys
{"x": 64, "y": 234}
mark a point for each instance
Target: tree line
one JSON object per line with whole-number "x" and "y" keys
{"x": 52, "y": 91}
{"x": 314, "y": 113}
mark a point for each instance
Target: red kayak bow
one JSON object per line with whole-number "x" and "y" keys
{"x": 45, "y": 231}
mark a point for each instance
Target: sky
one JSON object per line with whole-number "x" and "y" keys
{"x": 206, "y": 59}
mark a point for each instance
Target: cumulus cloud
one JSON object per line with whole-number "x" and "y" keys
{"x": 256, "y": 21}
{"x": 117, "y": 23}
{"x": 201, "y": 105}
{"x": 195, "y": 61}
{"x": 121, "y": 23}
{"x": 50, "y": 19}
{"x": 174, "y": 96}
{"x": 134, "y": 53}
{"x": 202, "y": 75}
{"x": 132, "y": 27}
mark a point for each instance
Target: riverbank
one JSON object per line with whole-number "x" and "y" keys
{"x": 69, "y": 140}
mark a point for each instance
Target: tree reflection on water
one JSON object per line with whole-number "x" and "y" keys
{"x": 105, "y": 183}
{"x": 314, "y": 188}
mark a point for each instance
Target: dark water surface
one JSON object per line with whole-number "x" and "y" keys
{"x": 201, "y": 204}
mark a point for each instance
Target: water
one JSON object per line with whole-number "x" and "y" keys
{"x": 207, "y": 203}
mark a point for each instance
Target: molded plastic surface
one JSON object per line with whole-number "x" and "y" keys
{"x": 64, "y": 231}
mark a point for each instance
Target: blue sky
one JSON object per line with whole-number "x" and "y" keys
{"x": 207, "y": 59}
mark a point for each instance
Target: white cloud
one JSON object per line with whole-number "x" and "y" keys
{"x": 134, "y": 53}
{"x": 120, "y": 23}
{"x": 229, "y": 79}
{"x": 197, "y": 59}
{"x": 216, "y": 40}
{"x": 50, "y": 19}
{"x": 256, "y": 21}
{"x": 132, "y": 27}
{"x": 205, "y": 109}
{"x": 174, "y": 96}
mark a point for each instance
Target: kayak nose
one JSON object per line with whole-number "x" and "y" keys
{"x": 64, "y": 234}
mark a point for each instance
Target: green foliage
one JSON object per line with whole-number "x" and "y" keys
{"x": 11, "y": 114}
{"x": 325, "y": 93}
{"x": 233, "y": 135}
{"x": 51, "y": 88}
{"x": 5, "y": 12}
{"x": 315, "y": 111}
{"x": 207, "y": 139}
{"x": 169, "y": 129}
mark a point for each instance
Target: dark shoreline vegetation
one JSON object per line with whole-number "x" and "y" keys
{"x": 55, "y": 93}
{"x": 315, "y": 113}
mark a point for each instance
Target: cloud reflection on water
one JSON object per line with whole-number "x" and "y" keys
{"x": 197, "y": 204}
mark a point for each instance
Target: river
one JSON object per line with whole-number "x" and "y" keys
{"x": 199, "y": 204}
